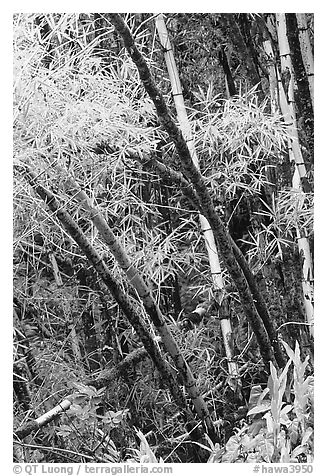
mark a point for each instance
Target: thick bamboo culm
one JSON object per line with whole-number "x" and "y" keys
{"x": 285, "y": 101}
{"x": 306, "y": 51}
{"x": 300, "y": 171}
{"x": 136, "y": 280}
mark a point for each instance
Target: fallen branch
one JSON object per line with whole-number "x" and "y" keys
{"x": 43, "y": 420}
{"x": 103, "y": 381}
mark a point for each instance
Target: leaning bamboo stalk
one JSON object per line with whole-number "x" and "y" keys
{"x": 150, "y": 305}
{"x": 288, "y": 112}
{"x": 119, "y": 295}
{"x": 262, "y": 325}
{"x": 132, "y": 315}
{"x": 215, "y": 267}
{"x": 306, "y": 51}
{"x": 186, "y": 187}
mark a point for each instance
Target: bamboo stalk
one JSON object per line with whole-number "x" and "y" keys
{"x": 306, "y": 51}
{"x": 304, "y": 107}
{"x": 214, "y": 261}
{"x": 215, "y": 267}
{"x": 190, "y": 385}
{"x": 300, "y": 172}
{"x": 285, "y": 59}
{"x": 261, "y": 324}
{"x": 287, "y": 109}
{"x": 145, "y": 295}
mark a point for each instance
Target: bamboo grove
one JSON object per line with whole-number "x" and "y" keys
{"x": 163, "y": 237}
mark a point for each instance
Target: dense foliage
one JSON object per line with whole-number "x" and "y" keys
{"x": 82, "y": 116}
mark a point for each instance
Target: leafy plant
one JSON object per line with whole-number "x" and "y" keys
{"x": 281, "y": 419}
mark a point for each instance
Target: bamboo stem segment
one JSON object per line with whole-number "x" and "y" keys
{"x": 215, "y": 267}
{"x": 126, "y": 305}
{"x": 300, "y": 174}
{"x": 306, "y": 51}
